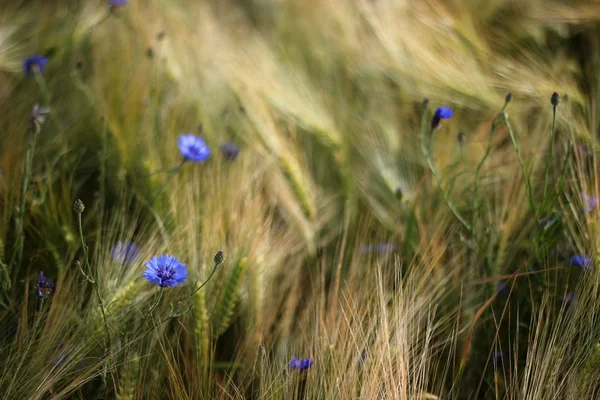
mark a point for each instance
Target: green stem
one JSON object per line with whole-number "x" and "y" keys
{"x": 435, "y": 173}
{"x": 565, "y": 167}
{"x": 48, "y": 99}
{"x": 552, "y": 133}
{"x": 17, "y": 256}
{"x": 172, "y": 172}
{"x": 522, "y": 164}
{"x": 102, "y": 178}
{"x": 93, "y": 279}
{"x": 488, "y": 151}
{"x": 175, "y": 313}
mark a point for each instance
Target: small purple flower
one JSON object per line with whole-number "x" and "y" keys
{"x": 580, "y": 261}
{"x": 301, "y": 364}
{"x": 590, "y": 202}
{"x": 38, "y": 114}
{"x": 381, "y": 248}
{"x": 45, "y": 286}
{"x": 193, "y": 148}
{"x": 441, "y": 113}
{"x": 117, "y": 3}
{"x": 497, "y": 358}
{"x": 165, "y": 271}
{"x": 502, "y": 287}
{"x": 34, "y": 64}
{"x": 230, "y": 151}
{"x": 125, "y": 252}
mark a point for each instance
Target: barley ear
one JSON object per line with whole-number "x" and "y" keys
{"x": 227, "y": 302}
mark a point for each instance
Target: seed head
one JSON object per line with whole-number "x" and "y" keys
{"x": 78, "y": 206}
{"x": 218, "y": 258}
{"x": 555, "y": 99}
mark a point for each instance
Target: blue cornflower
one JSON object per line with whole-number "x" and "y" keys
{"x": 301, "y": 364}
{"x": 117, "y": 2}
{"x": 165, "y": 271}
{"x": 590, "y": 202}
{"x": 44, "y": 285}
{"x": 230, "y": 151}
{"x": 125, "y": 252}
{"x": 193, "y": 148}
{"x": 381, "y": 248}
{"x": 443, "y": 112}
{"x": 580, "y": 261}
{"x": 34, "y": 64}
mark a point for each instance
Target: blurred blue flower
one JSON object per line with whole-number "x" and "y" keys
{"x": 502, "y": 287}
{"x": 590, "y": 202}
{"x": 441, "y": 113}
{"x": 301, "y": 364}
{"x": 34, "y": 64}
{"x": 361, "y": 359}
{"x": 44, "y": 285}
{"x": 230, "y": 151}
{"x": 568, "y": 300}
{"x": 193, "y": 148}
{"x": 125, "y": 252}
{"x": 165, "y": 271}
{"x": 117, "y": 2}
{"x": 381, "y": 248}
{"x": 38, "y": 114}
{"x": 497, "y": 358}
{"x": 580, "y": 261}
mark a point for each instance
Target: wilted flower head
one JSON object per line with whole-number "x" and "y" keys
{"x": 38, "y": 114}
{"x": 34, "y": 64}
{"x": 580, "y": 261}
{"x": 193, "y": 148}
{"x": 441, "y": 113}
{"x": 165, "y": 271}
{"x": 45, "y": 286}
{"x": 230, "y": 151}
{"x": 301, "y": 364}
{"x": 125, "y": 252}
{"x": 381, "y": 248}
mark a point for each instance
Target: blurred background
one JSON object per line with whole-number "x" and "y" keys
{"x": 407, "y": 258}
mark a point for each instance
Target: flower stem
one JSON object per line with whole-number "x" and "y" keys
{"x": 17, "y": 256}
{"x": 427, "y": 154}
{"x": 522, "y": 164}
{"x": 172, "y": 172}
{"x": 93, "y": 279}
{"x": 552, "y": 133}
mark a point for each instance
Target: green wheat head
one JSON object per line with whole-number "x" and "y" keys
{"x": 230, "y": 293}
{"x": 128, "y": 378}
